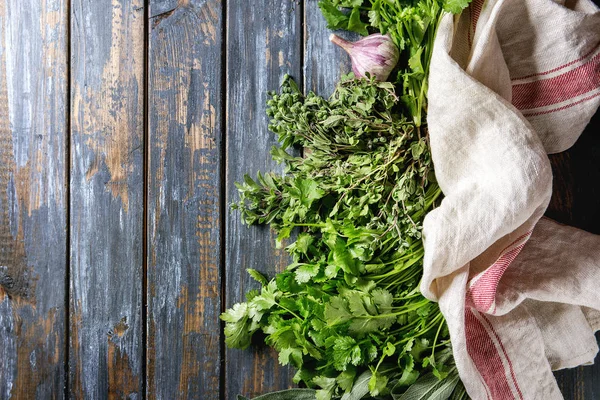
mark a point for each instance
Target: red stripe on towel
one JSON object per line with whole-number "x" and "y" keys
{"x": 561, "y": 67}
{"x": 534, "y": 114}
{"x": 510, "y": 366}
{"x": 486, "y": 357}
{"x": 571, "y": 84}
{"x": 482, "y": 293}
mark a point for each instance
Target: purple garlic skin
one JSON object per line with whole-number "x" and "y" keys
{"x": 375, "y": 54}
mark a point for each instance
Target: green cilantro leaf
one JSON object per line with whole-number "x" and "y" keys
{"x": 291, "y": 355}
{"x": 304, "y": 375}
{"x": 309, "y": 191}
{"x": 351, "y": 3}
{"x": 302, "y": 244}
{"x": 257, "y": 276}
{"x": 251, "y": 294}
{"x": 455, "y": 6}
{"x": 409, "y": 375}
{"x": 284, "y": 233}
{"x": 346, "y": 379}
{"x": 336, "y": 311}
{"x": 334, "y": 17}
{"x": 327, "y": 386}
{"x": 267, "y": 297}
{"x": 280, "y": 333}
{"x": 238, "y": 334}
{"x": 377, "y": 383}
{"x": 306, "y": 271}
{"x": 341, "y": 257}
{"x": 355, "y": 24}
{"x": 346, "y": 351}
{"x": 383, "y": 299}
{"x": 235, "y": 313}
{"x": 389, "y": 350}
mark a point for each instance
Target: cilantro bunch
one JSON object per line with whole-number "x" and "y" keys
{"x": 347, "y": 313}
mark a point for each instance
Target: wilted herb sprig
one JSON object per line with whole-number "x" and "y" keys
{"x": 347, "y": 313}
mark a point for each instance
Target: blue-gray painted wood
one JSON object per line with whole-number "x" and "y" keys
{"x": 184, "y": 208}
{"x": 33, "y": 202}
{"x": 263, "y": 44}
{"x": 324, "y": 62}
{"x": 106, "y": 210}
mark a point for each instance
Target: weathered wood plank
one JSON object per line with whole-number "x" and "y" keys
{"x": 184, "y": 209}
{"x": 263, "y": 43}
{"x": 33, "y": 206}
{"x": 107, "y": 108}
{"x": 576, "y": 201}
{"x": 324, "y": 62}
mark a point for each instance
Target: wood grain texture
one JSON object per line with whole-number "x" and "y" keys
{"x": 184, "y": 209}
{"x": 263, "y": 43}
{"x": 324, "y": 62}
{"x": 106, "y": 222}
{"x": 576, "y": 201}
{"x": 33, "y": 97}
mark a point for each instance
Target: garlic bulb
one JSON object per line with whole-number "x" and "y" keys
{"x": 375, "y": 54}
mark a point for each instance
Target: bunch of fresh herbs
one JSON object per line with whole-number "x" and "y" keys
{"x": 347, "y": 313}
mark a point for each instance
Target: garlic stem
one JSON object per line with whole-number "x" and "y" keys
{"x": 343, "y": 43}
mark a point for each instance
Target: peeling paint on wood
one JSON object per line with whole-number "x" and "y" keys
{"x": 16, "y": 277}
{"x": 324, "y": 62}
{"x": 107, "y": 74}
{"x": 184, "y": 211}
{"x": 123, "y": 382}
{"x": 32, "y": 198}
{"x": 264, "y": 42}
{"x": 75, "y": 361}
{"x": 107, "y": 103}
{"x": 38, "y": 346}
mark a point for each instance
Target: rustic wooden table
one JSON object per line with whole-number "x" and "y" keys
{"x": 123, "y": 126}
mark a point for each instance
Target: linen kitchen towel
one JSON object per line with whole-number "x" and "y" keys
{"x": 510, "y": 82}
